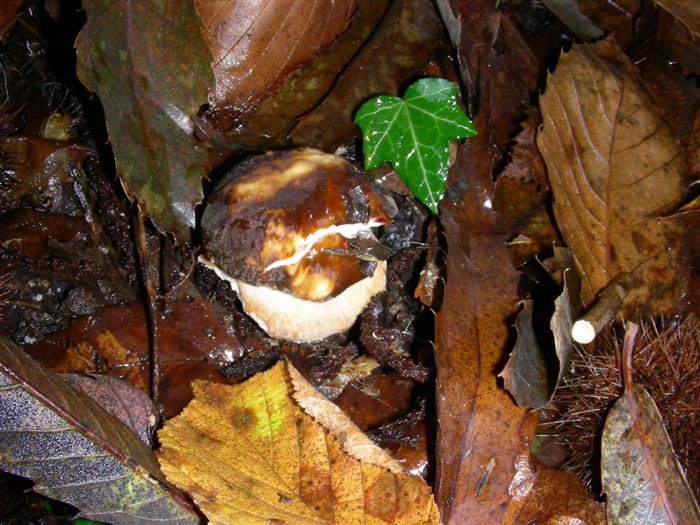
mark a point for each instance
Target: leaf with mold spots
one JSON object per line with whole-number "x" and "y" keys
{"x": 151, "y": 81}
{"x": 248, "y": 453}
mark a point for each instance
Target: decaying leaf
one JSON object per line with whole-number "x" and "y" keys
{"x": 77, "y": 452}
{"x": 254, "y": 44}
{"x": 248, "y": 453}
{"x": 151, "y": 81}
{"x": 686, "y": 11}
{"x": 530, "y": 374}
{"x": 614, "y": 168}
{"x": 641, "y": 474}
{"x": 114, "y": 341}
{"x": 8, "y": 14}
{"x": 396, "y": 50}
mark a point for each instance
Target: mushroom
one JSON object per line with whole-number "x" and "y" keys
{"x": 291, "y": 232}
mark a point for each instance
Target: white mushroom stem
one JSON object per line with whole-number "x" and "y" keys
{"x": 603, "y": 310}
{"x": 284, "y": 316}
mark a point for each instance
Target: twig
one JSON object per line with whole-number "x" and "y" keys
{"x": 602, "y": 312}
{"x": 152, "y": 308}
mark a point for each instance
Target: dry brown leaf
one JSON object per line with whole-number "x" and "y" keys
{"x": 614, "y": 167}
{"x": 248, "y": 453}
{"x": 255, "y": 43}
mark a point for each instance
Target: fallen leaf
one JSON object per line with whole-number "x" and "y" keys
{"x": 331, "y": 417}
{"x": 128, "y": 404}
{"x": 114, "y": 341}
{"x": 248, "y": 454}
{"x": 254, "y": 44}
{"x": 8, "y": 14}
{"x": 641, "y": 474}
{"x": 568, "y": 12}
{"x": 401, "y": 44}
{"x": 77, "y": 452}
{"x": 38, "y": 165}
{"x": 151, "y": 81}
{"x": 413, "y": 133}
{"x": 267, "y": 124}
{"x": 614, "y": 167}
{"x": 555, "y": 497}
{"x": 531, "y": 375}
{"x": 686, "y": 11}
{"x": 477, "y": 419}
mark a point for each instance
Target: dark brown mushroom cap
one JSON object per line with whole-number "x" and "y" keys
{"x": 265, "y": 209}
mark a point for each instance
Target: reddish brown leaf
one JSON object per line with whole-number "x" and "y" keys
{"x": 114, "y": 341}
{"x": 686, "y": 11}
{"x": 397, "y": 48}
{"x": 8, "y": 14}
{"x": 478, "y": 421}
{"x": 256, "y": 45}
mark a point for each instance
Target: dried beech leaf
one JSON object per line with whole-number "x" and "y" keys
{"x": 254, "y": 44}
{"x": 614, "y": 167}
{"x": 641, "y": 474}
{"x": 333, "y": 419}
{"x": 151, "y": 70}
{"x": 247, "y": 453}
{"x": 77, "y": 452}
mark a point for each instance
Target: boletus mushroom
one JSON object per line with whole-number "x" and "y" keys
{"x": 291, "y": 232}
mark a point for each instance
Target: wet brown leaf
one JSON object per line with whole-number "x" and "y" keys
{"x": 686, "y": 11}
{"x": 151, "y": 69}
{"x": 614, "y": 168}
{"x": 399, "y": 46}
{"x": 8, "y": 14}
{"x": 248, "y": 453}
{"x": 531, "y": 375}
{"x": 273, "y": 61}
{"x": 477, "y": 419}
{"x": 114, "y": 341}
{"x": 254, "y": 44}
{"x": 479, "y": 424}
{"x": 641, "y": 474}
{"x": 553, "y": 497}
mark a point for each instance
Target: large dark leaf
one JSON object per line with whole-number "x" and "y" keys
{"x": 77, "y": 452}
{"x": 151, "y": 69}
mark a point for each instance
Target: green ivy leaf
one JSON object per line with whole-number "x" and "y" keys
{"x": 413, "y": 134}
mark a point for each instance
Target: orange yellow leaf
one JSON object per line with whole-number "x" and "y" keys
{"x": 248, "y": 453}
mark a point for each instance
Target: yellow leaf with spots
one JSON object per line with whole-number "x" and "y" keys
{"x": 248, "y": 453}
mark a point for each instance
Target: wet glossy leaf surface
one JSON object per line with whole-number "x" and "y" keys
{"x": 413, "y": 133}
{"x": 642, "y": 478}
{"x": 75, "y": 451}
{"x": 151, "y": 82}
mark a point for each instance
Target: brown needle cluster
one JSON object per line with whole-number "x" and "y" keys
{"x": 666, "y": 361}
